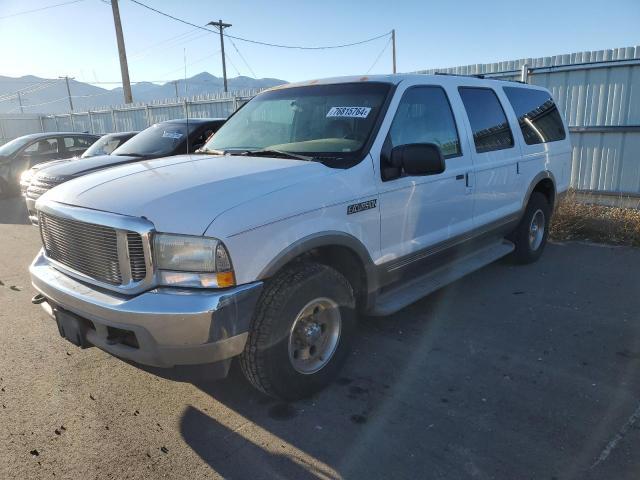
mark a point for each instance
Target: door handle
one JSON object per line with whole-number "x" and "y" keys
{"x": 459, "y": 177}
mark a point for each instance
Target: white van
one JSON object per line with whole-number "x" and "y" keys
{"x": 315, "y": 202}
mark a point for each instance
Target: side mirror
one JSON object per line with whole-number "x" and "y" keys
{"x": 418, "y": 158}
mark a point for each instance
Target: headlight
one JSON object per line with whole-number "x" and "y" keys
{"x": 189, "y": 261}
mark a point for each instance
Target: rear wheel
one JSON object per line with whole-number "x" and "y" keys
{"x": 301, "y": 332}
{"x": 530, "y": 237}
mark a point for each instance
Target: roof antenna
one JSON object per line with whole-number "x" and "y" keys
{"x": 186, "y": 98}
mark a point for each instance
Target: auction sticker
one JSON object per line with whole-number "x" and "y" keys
{"x": 174, "y": 135}
{"x": 349, "y": 112}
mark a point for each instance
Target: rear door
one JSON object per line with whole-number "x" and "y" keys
{"x": 74, "y": 146}
{"x": 495, "y": 156}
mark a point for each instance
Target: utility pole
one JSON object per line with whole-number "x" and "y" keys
{"x": 124, "y": 68}
{"x": 393, "y": 48}
{"x": 68, "y": 92}
{"x": 175, "y": 84}
{"x": 221, "y": 26}
{"x": 20, "y": 102}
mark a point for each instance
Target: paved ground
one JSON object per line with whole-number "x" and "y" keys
{"x": 511, "y": 373}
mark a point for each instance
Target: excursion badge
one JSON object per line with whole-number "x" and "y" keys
{"x": 359, "y": 207}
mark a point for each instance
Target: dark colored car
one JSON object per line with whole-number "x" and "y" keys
{"x": 103, "y": 146}
{"x": 164, "y": 139}
{"x": 24, "y": 152}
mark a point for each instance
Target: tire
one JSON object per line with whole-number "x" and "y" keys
{"x": 273, "y": 359}
{"x": 527, "y": 238}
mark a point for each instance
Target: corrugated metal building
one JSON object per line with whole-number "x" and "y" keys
{"x": 599, "y": 94}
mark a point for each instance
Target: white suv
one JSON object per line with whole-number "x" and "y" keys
{"x": 313, "y": 203}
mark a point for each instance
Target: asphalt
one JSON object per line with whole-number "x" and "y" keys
{"x": 511, "y": 373}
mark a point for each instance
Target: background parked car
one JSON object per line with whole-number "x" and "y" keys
{"x": 164, "y": 139}
{"x": 22, "y": 153}
{"x": 104, "y": 146}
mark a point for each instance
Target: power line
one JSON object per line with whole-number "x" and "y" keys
{"x": 232, "y": 64}
{"x": 242, "y": 57}
{"x": 386, "y": 45}
{"x": 40, "y": 9}
{"x": 257, "y": 42}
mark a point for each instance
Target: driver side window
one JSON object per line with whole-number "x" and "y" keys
{"x": 424, "y": 116}
{"x": 42, "y": 147}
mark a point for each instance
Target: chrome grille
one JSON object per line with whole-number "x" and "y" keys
{"x": 136, "y": 256}
{"x": 41, "y": 184}
{"x": 86, "y": 248}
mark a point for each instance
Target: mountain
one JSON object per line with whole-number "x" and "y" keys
{"x": 41, "y": 95}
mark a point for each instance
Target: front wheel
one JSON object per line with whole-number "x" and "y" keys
{"x": 301, "y": 332}
{"x": 530, "y": 237}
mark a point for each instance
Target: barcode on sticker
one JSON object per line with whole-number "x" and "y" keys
{"x": 350, "y": 112}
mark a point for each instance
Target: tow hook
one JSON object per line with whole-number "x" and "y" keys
{"x": 38, "y": 299}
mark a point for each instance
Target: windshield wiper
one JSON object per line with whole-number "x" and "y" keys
{"x": 269, "y": 152}
{"x": 127, "y": 155}
{"x": 210, "y": 151}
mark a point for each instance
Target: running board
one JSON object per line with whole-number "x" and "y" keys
{"x": 412, "y": 291}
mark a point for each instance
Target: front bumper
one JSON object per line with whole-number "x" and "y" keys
{"x": 31, "y": 208}
{"x": 172, "y": 327}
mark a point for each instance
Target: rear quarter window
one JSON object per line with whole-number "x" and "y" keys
{"x": 538, "y": 115}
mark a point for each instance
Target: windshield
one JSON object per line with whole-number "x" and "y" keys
{"x": 104, "y": 146}
{"x": 157, "y": 140}
{"x": 13, "y": 146}
{"x": 317, "y": 120}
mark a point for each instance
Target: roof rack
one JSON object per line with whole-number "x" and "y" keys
{"x": 476, "y": 75}
{"x": 480, "y": 75}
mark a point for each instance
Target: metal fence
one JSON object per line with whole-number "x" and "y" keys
{"x": 599, "y": 94}
{"x": 123, "y": 118}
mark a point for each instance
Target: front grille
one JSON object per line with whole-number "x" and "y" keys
{"x": 86, "y": 248}
{"x": 136, "y": 256}
{"x": 41, "y": 184}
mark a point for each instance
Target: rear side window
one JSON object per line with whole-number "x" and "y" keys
{"x": 488, "y": 122}
{"x": 537, "y": 114}
{"x": 424, "y": 116}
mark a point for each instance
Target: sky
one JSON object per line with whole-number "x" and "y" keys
{"x": 79, "y": 39}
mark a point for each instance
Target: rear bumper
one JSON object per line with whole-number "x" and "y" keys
{"x": 172, "y": 327}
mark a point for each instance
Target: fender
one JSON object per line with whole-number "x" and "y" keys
{"x": 326, "y": 239}
{"x": 540, "y": 176}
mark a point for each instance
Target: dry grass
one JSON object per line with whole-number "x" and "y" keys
{"x": 575, "y": 220}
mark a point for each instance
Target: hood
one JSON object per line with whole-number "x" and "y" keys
{"x": 39, "y": 166}
{"x": 73, "y": 167}
{"x": 184, "y": 194}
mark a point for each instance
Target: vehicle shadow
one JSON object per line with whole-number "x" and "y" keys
{"x": 331, "y": 435}
{"x": 13, "y": 210}
{"x": 457, "y": 385}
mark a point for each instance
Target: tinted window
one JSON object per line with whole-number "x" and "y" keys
{"x": 424, "y": 116}
{"x": 43, "y": 147}
{"x": 77, "y": 144}
{"x": 488, "y": 122}
{"x": 537, "y": 114}
{"x": 158, "y": 140}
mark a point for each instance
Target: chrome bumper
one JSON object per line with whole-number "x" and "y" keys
{"x": 31, "y": 208}
{"x": 173, "y": 327}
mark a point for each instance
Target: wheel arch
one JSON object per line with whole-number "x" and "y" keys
{"x": 544, "y": 183}
{"x": 336, "y": 249}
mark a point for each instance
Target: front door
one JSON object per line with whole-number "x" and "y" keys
{"x": 38, "y": 152}
{"x": 420, "y": 212}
